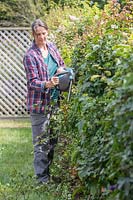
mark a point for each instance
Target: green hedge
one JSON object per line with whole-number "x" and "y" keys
{"x": 99, "y": 117}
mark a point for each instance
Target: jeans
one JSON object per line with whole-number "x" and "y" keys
{"x": 44, "y": 143}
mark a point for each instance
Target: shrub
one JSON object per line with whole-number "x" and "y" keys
{"x": 99, "y": 117}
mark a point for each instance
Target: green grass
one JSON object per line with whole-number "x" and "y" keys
{"x": 15, "y": 123}
{"x": 17, "y": 181}
{"x": 15, "y": 151}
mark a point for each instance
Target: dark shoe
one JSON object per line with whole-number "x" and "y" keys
{"x": 43, "y": 180}
{"x": 56, "y": 179}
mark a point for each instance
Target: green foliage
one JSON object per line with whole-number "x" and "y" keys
{"x": 100, "y": 3}
{"x": 20, "y": 13}
{"x": 99, "y": 117}
{"x": 23, "y": 12}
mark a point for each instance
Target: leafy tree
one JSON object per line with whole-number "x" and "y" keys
{"x": 20, "y": 12}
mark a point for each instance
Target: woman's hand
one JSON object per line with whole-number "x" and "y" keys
{"x": 60, "y": 70}
{"x": 52, "y": 83}
{"x": 55, "y": 80}
{"x": 49, "y": 84}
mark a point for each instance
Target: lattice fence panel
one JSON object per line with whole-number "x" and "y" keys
{"x": 13, "y": 44}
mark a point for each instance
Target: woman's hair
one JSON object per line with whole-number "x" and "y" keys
{"x": 37, "y": 23}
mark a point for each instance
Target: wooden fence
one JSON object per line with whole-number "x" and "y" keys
{"x": 13, "y": 45}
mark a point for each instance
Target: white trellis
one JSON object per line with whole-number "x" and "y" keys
{"x": 13, "y": 45}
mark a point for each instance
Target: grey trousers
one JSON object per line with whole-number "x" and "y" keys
{"x": 44, "y": 143}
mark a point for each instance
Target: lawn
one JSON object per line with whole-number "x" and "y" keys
{"x": 17, "y": 181}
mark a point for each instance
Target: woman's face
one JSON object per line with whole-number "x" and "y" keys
{"x": 40, "y": 35}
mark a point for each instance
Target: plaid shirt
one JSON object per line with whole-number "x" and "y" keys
{"x": 37, "y": 74}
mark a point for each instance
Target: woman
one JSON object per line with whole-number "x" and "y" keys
{"x": 41, "y": 62}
